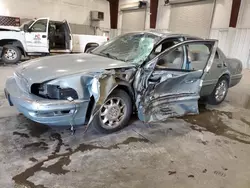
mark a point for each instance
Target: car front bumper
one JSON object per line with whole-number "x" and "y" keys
{"x": 235, "y": 79}
{"x": 46, "y": 111}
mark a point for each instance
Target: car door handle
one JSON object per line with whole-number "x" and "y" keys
{"x": 44, "y": 36}
{"x": 219, "y": 65}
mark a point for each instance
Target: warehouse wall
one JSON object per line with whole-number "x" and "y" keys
{"x": 241, "y": 43}
{"x": 163, "y": 17}
{"x": 220, "y": 19}
{"x": 130, "y": 4}
{"x": 244, "y": 14}
{"x": 220, "y": 25}
{"x": 76, "y": 12}
{"x": 222, "y": 14}
{"x": 235, "y": 42}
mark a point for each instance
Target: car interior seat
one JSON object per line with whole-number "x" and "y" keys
{"x": 173, "y": 59}
{"x": 198, "y": 60}
{"x": 60, "y": 37}
{"x": 51, "y": 36}
{"x": 164, "y": 46}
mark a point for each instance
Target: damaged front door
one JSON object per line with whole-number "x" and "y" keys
{"x": 170, "y": 84}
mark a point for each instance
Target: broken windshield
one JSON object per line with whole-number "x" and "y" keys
{"x": 133, "y": 48}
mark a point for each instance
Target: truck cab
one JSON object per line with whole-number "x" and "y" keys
{"x": 41, "y": 37}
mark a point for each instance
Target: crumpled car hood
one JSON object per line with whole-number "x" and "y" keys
{"x": 48, "y": 68}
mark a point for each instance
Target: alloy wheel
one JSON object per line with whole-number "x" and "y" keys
{"x": 112, "y": 113}
{"x": 221, "y": 90}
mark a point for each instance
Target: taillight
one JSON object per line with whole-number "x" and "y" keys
{"x": 107, "y": 38}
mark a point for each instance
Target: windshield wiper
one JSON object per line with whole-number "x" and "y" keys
{"x": 109, "y": 56}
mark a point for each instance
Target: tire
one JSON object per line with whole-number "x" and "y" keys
{"x": 213, "y": 99}
{"x": 14, "y": 55}
{"x": 97, "y": 122}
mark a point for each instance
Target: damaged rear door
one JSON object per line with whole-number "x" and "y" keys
{"x": 170, "y": 84}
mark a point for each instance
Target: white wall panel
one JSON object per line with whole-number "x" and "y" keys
{"x": 235, "y": 43}
{"x": 222, "y": 36}
{"x": 241, "y": 46}
{"x": 75, "y": 11}
{"x": 129, "y": 4}
{"x": 244, "y": 15}
{"x": 163, "y": 16}
{"x": 222, "y": 14}
{"x": 133, "y": 20}
{"x": 192, "y": 18}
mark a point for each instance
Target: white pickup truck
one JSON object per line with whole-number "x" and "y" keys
{"x": 41, "y": 37}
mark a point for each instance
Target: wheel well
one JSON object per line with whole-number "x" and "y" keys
{"x": 13, "y": 42}
{"x": 127, "y": 90}
{"x": 90, "y": 109}
{"x": 89, "y": 45}
{"x": 92, "y": 100}
{"x": 226, "y": 76}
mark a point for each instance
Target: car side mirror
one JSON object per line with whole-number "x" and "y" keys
{"x": 26, "y": 28}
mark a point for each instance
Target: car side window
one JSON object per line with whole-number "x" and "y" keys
{"x": 163, "y": 46}
{"x": 172, "y": 60}
{"x": 198, "y": 55}
{"x": 39, "y": 26}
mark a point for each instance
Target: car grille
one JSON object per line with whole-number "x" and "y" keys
{"x": 21, "y": 82}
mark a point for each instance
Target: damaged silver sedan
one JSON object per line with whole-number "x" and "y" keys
{"x": 156, "y": 75}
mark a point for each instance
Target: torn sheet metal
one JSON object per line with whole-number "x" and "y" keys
{"x": 171, "y": 96}
{"x": 161, "y": 94}
{"x": 102, "y": 86}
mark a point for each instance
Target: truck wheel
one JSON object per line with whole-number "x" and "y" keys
{"x": 220, "y": 92}
{"x": 114, "y": 114}
{"x": 11, "y": 54}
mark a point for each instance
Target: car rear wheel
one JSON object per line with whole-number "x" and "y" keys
{"x": 11, "y": 54}
{"x": 114, "y": 114}
{"x": 220, "y": 92}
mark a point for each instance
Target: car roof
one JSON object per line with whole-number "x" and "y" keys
{"x": 169, "y": 34}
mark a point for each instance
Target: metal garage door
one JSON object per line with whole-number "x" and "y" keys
{"x": 192, "y": 18}
{"x": 133, "y": 20}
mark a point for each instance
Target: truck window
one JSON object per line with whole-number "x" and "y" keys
{"x": 39, "y": 26}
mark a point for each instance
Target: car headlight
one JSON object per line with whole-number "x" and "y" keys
{"x": 56, "y": 92}
{"x": 53, "y": 91}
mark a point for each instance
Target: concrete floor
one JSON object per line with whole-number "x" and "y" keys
{"x": 207, "y": 150}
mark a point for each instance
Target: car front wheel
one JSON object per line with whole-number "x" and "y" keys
{"x": 220, "y": 92}
{"x": 115, "y": 113}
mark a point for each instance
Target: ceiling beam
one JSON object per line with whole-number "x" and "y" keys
{"x": 113, "y": 8}
{"x": 153, "y": 13}
{"x": 234, "y": 13}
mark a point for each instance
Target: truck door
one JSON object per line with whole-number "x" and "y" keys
{"x": 68, "y": 36}
{"x": 37, "y": 36}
